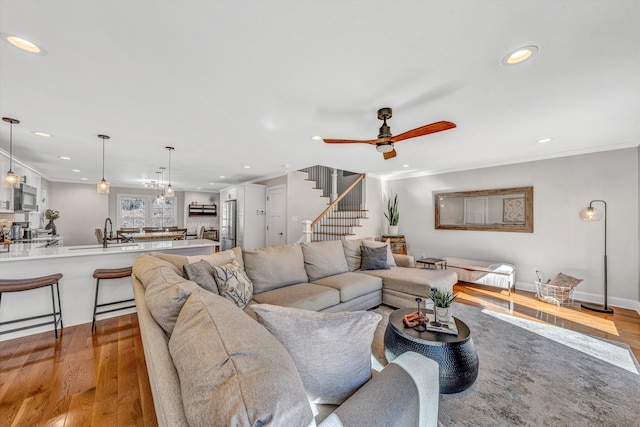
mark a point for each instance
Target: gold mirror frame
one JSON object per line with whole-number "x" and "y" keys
{"x": 525, "y": 226}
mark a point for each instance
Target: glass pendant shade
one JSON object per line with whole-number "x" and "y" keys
{"x": 11, "y": 180}
{"x": 590, "y": 214}
{"x": 103, "y": 186}
{"x": 169, "y": 190}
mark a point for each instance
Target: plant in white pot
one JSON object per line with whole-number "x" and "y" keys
{"x": 442, "y": 301}
{"x": 392, "y": 216}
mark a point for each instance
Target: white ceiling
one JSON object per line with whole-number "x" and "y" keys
{"x": 234, "y": 83}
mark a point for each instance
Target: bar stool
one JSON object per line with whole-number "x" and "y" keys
{"x": 19, "y": 285}
{"x": 109, "y": 273}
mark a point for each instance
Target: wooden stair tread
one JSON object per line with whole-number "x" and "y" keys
{"x": 340, "y": 225}
{"x": 325, "y": 233}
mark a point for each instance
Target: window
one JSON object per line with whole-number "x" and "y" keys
{"x": 145, "y": 211}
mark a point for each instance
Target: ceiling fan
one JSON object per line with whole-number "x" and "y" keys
{"x": 384, "y": 142}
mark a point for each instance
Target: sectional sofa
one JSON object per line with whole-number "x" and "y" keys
{"x": 188, "y": 332}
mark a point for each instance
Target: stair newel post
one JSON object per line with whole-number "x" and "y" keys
{"x": 334, "y": 184}
{"x": 306, "y": 231}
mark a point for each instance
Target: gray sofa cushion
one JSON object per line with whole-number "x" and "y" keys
{"x": 377, "y": 244}
{"x": 218, "y": 258}
{"x": 332, "y": 351}
{"x": 352, "y": 254}
{"x": 415, "y": 281}
{"x": 351, "y": 285}
{"x": 165, "y": 290}
{"x": 322, "y": 259}
{"x": 301, "y": 295}
{"x": 145, "y": 265}
{"x": 274, "y": 266}
{"x": 232, "y": 371}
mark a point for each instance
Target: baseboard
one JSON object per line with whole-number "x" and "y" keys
{"x": 589, "y": 297}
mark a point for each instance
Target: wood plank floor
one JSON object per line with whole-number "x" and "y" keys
{"x": 101, "y": 379}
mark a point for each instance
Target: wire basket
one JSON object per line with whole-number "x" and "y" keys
{"x": 558, "y": 295}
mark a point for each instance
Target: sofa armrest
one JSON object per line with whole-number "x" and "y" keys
{"x": 405, "y": 393}
{"x": 404, "y": 260}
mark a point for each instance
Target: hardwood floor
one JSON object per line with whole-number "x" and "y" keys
{"x": 80, "y": 380}
{"x": 101, "y": 379}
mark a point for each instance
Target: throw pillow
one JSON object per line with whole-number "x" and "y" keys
{"x": 201, "y": 272}
{"x": 233, "y": 283}
{"x": 374, "y": 258}
{"x": 564, "y": 281}
{"x": 232, "y": 371}
{"x": 377, "y": 244}
{"x": 332, "y": 351}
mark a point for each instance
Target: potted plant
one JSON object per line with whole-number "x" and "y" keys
{"x": 392, "y": 216}
{"x": 51, "y": 215}
{"x": 442, "y": 301}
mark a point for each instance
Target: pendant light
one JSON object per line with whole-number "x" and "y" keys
{"x": 103, "y": 185}
{"x": 161, "y": 185}
{"x": 11, "y": 180}
{"x": 169, "y": 191}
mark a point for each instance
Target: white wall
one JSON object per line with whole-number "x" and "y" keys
{"x": 209, "y": 222}
{"x": 561, "y": 242}
{"x": 376, "y": 224}
{"x": 302, "y": 203}
{"x": 82, "y": 210}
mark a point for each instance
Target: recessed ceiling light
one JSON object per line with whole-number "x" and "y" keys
{"x": 221, "y": 176}
{"x": 544, "y": 140}
{"x": 247, "y": 167}
{"x": 405, "y": 166}
{"x": 23, "y": 44}
{"x": 212, "y": 183}
{"x": 520, "y": 55}
{"x": 83, "y": 179}
{"x": 64, "y": 158}
{"x": 75, "y": 170}
{"x": 198, "y": 188}
{"x": 316, "y": 138}
{"x": 42, "y": 134}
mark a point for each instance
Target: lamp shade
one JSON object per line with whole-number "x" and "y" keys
{"x": 590, "y": 214}
{"x": 103, "y": 186}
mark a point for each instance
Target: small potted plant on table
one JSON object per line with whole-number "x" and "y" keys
{"x": 442, "y": 301}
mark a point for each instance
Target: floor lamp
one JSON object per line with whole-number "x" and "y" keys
{"x": 592, "y": 214}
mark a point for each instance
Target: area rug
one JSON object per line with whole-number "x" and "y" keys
{"x": 535, "y": 374}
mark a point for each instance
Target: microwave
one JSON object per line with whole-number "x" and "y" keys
{"x": 25, "y": 198}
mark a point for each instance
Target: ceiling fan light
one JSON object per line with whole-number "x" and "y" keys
{"x": 384, "y": 147}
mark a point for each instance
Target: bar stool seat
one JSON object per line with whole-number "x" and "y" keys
{"x": 19, "y": 285}
{"x": 104, "y": 274}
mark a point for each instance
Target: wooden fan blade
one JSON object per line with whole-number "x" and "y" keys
{"x": 390, "y": 155}
{"x": 424, "y": 130}
{"x": 353, "y": 141}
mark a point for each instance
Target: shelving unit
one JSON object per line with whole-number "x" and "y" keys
{"x": 203, "y": 210}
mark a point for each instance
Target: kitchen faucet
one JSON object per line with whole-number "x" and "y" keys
{"x": 104, "y": 234}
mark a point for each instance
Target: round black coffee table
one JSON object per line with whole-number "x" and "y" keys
{"x": 455, "y": 354}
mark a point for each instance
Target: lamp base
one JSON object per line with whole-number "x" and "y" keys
{"x": 596, "y": 307}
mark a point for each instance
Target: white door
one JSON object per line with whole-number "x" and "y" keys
{"x": 276, "y": 216}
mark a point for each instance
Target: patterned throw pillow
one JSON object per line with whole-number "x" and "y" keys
{"x": 233, "y": 283}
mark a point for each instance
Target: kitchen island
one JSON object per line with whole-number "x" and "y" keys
{"x": 77, "y": 287}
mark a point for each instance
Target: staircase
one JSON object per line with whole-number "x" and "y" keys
{"x": 343, "y": 215}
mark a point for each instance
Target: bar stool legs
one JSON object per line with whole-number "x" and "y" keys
{"x": 113, "y": 273}
{"x": 19, "y": 285}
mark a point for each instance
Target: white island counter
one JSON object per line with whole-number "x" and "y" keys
{"x": 77, "y": 287}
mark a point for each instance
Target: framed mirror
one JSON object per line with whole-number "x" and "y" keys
{"x": 505, "y": 209}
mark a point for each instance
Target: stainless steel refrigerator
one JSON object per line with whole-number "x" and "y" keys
{"x": 229, "y": 223}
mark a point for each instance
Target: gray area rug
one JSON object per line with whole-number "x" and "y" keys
{"x": 535, "y": 374}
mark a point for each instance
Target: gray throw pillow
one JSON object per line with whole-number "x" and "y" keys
{"x": 201, "y": 272}
{"x": 374, "y": 258}
{"x": 233, "y": 283}
{"x": 331, "y": 351}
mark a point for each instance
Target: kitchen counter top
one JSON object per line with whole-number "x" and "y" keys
{"x": 33, "y": 251}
